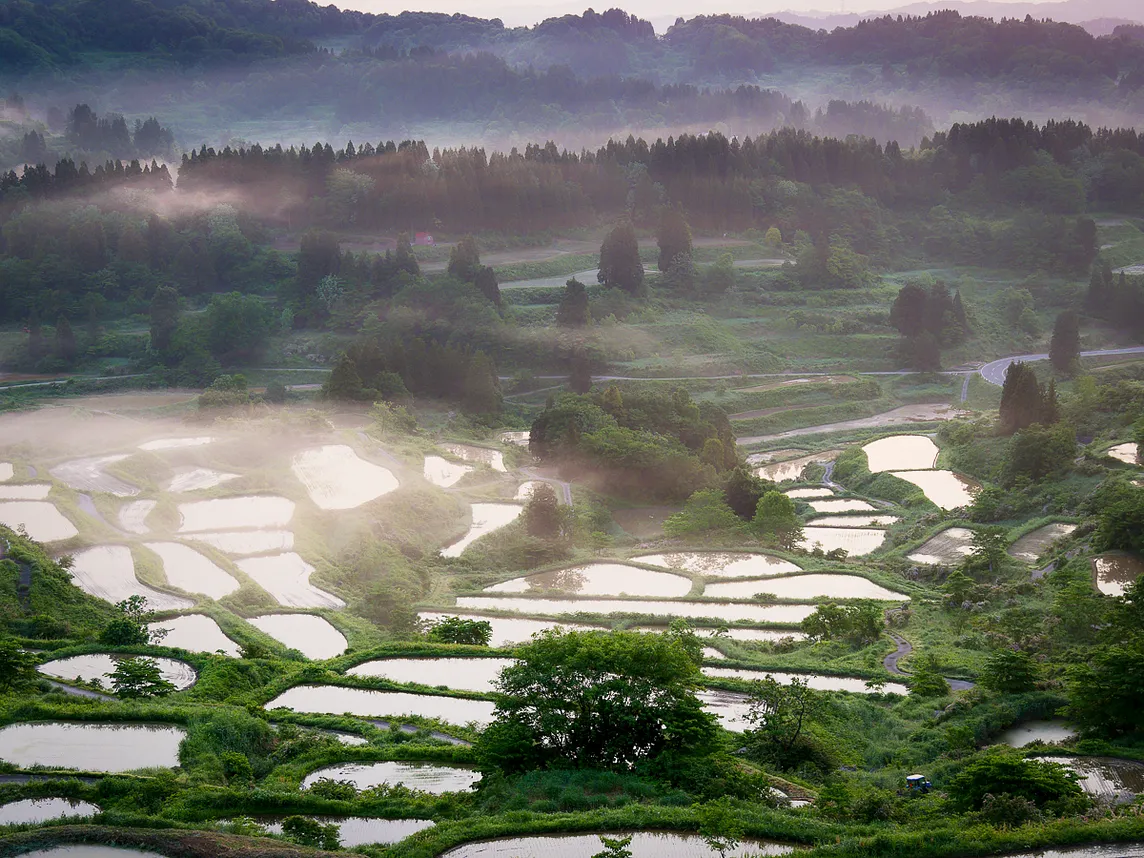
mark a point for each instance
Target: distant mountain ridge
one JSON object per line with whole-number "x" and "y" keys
{"x": 1099, "y": 17}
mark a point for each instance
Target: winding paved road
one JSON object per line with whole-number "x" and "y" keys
{"x": 890, "y": 662}
{"x": 994, "y": 371}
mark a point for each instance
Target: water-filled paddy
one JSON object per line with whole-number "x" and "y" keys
{"x": 880, "y": 520}
{"x": 792, "y": 469}
{"x": 1114, "y": 572}
{"x": 842, "y": 505}
{"x": 424, "y": 777}
{"x": 818, "y": 681}
{"x": 42, "y": 520}
{"x": 100, "y": 666}
{"x": 804, "y": 587}
{"x": 196, "y": 633}
{"x": 520, "y": 439}
{"x": 855, "y": 541}
{"x": 739, "y": 633}
{"x": 1020, "y": 735}
{"x": 247, "y": 541}
{"x": 83, "y": 850}
{"x": 175, "y": 443}
{"x": 901, "y": 453}
{"x": 108, "y": 572}
{"x": 197, "y": 479}
{"x": 365, "y": 703}
{"x": 31, "y": 810}
{"x": 459, "y": 674}
{"x": 1032, "y": 545}
{"x": 482, "y": 455}
{"x": 312, "y": 636}
{"x": 336, "y": 477}
{"x": 89, "y": 475}
{"x": 731, "y": 708}
{"x": 947, "y": 548}
{"x": 188, "y": 570}
{"x": 487, "y": 517}
{"x": 693, "y": 610}
{"x": 945, "y": 489}
{"x": 133, "y": 515}
{"x": 525, "y": 491}
{"x": 442, "y": 472}
{"x": 6, "y": 471}
{"x": 805, "y": 494}
{"x": 1127, "y": 453}
{"x": 507, "y": 631}
{"x": 720, "y": 564}
{"x": 263, "y": 512}
{"x": 1111, "y": 850}
{"x": 286, "y": 577}
{"x": 28, "y": 491}
{"x": 360, "y": 830}
{"x": 1107, "y": 778}
{"x": 645, "y": 844}
{"x": 599, "y": 579}
{"x": 91, "y": 747}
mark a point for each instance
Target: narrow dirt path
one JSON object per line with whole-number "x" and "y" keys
{"x": 890, "y": 662}
{"x": 79, "y": 692}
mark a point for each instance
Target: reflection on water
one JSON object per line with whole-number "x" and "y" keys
{"x": 286, "y": 577}
{"x": 804, "y": 587}
{"x": 424, "y": 777}
{"x": 195, "y": 633}
{"x": 720, "y": 564}
{"x": 791, "y": 470}
{"x": 90, "y": 747}
{"x": 508, "y": 631}
{"x": 461, "y": 674}
{"x": 42, "y": 520}
{"x": 1020, "y": 735}
{"x": 1127, "y": 453}
{"x": 1114, "y": 572}
{"x": 442, "y": 472}
{"x": 880, "y": 520}
{"x": 336, "y": 477}
{"x": 644, "y": 845}
{"x": 901, "y": 453}
{"x": 108, "y": 572}
{"x": 1032, "y": 545}
{"x": 842, "y": 505}
{"x": 247, "y": 541}
{"x": 730, "y": 707}
{"x": 487, "y": 517}
{"x": 101, "y": 665}
{"x": 88, "y": 475}
{"x": 233, "y": 513}
{"x": 43, "y": 809}
{"x": 1108, "y": 778}
{"x": 855, "y": 541}
{"x": 694, "y": 610}
{"x": 358, "y": 830}
{"x": 336, "y": 700}
{"x": 599, "y": 579}
{"x": 1113, "y": 850}
{"x": 312, "y": 636}
{"x": 947, "y": 548}
{"x": 188, "y": 570}
{"x": 820, "y": 682}
{"x": 197, "y": 480}
{"x": 468, "y": 453}
{"x": 78, "y": 850}
{"x": 804, "y": 494}
{"x": 945, "y": 489}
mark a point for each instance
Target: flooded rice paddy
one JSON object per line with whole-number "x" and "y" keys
{"x": 91, "y": 747}
{"x": 947, "y": 548}
{"x": 508, "y": 631}
{"x": 774, "y": 456}
{"x": 100, "y": 666}
{"x": 6, "y": 471}
{"x": 739, "y": 633}
{"x": 720, "y": 564}
{"x": 360, "y": 830}
{"x": 880, "y": 520}
{"x": 782, "y": 472}
{"x": 817, "y": 681}
{"x": 336, "y": 477}
{"x": 730, "y": 707}
{"x": 525, "y": 491}
{"x": 286, "y": 577}
{"x": 188, "y": 570}
{"x": 175, "y": 443}
{"x": 1050, "y": 731}
{"x": 108, "y": 572}
{"x": 1107, "y": 778}
{"x": 423, "y": 777}
{"x": 312, "y": 636}
{"x": 28, "y": 491}
{"x": 365, "y": 703}
{"x": 804, "y": 494}
{"x": 133, "y": 515}
{"x": 481, "y": 455}
{"x": 89, "y": 475}
{"x": 1127, "y": 453}
{"x": 257, "y": 512}
{"x": 691, "y": 610}
{"x": 443, "y": 473}
{"x": 842, "y": 505}
{"x": 1111, "y": 850}
{"x": 42, "y": 520}
{"x": 459, "y": 674}
{"x": 599, "y": 579}
{"x": 197, "y": 480}
{"x": 1032, "y": 545}
{"x": 805, "y": 587}
{"x": 901, "y": 453}
{"x": 196, "y": 633}
{"x": 855, "y": 541}
{"x": 487, "y": 517}
{"x": 645, "y": 844}
{"x": 83, "y": 850}
{"x": 242, "y": 542}
{"x": 945, "y": 489}
{"x": 1114, "y": 572}
{"x": 519, "y": 438}
{"x": 32, "y": 810}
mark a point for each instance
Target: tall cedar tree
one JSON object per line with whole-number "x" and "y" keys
{"x": 674, "y": 239}
{"x": 164, "y": 318}
{"x": 1024, "y": 401}
{"x": 1064, "y": 349}
{"x": 465, "y": 260}
{"x": 573, "y": 311}
{"x": 620, "y": 265}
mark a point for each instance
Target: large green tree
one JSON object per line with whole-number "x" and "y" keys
{"x": 597, "y": 700}
{"x": 1022, "y": 399}
{"x": 776, "y": 519}
{"x": 465, "y": 260}
{"x": 620, "y": 265}
{"x": 164, "y": 312}
{"x": 1064, "y": 348}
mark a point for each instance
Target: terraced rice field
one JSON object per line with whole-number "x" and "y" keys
{"x": 720, "y": 564}
{"x": 947, "y": 548}
{"x": 599, "y": 579}
{"x": 1032, "y": 545}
